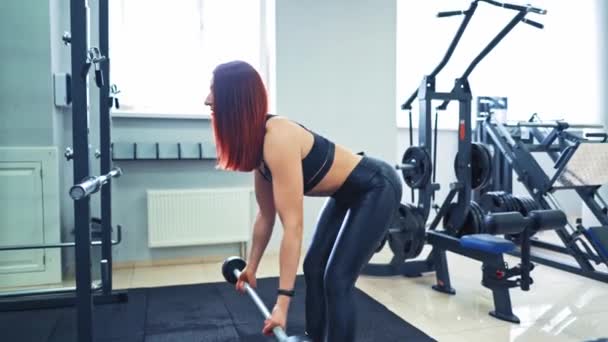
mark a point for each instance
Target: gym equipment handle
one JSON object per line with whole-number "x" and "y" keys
{"x": 278, "y": 331}
{"x": 91, "y": 185}
{"x": 505, "y": 223}
{"x": 516, "y": 7}
{"x": 533, "y": 23}
{"x": 450, "y": 13}
{"x": 602, "y": 136}
{"x": 548, "y": 219}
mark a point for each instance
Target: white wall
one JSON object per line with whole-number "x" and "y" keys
{"x": 336, "y": 74}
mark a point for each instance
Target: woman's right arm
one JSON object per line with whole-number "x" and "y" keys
{"x": 264, "y": 221}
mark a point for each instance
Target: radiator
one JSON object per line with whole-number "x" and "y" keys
{"x": 198, "y": 216}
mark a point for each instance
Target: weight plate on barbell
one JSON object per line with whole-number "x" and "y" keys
{"x": 420, "y": 234}
{"x": 407, "y": 237}
{"x": 420, "y": 174}
{"x": 481, "y": 166}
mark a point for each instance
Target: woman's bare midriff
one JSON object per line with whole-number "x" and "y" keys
{"x": 344, "y": 162}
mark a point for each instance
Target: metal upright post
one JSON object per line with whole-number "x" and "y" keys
{"x": 80, "y": 128}
{"x": 104, "y": 146}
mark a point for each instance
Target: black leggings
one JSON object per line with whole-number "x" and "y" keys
{"x": 350, "y": 227}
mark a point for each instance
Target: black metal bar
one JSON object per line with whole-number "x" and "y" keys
{"x": 200, "y": 150}
{"x": 443, "y": 209}
{"x": 134, "y": 151}
{"x": 463, "y": 165}
{"x": 463, "y": 25}
{"x": 516, "y": 7}
{"x": 493, "y": 43}
{"x": 157, "y": 150}
{"x": 425, "y": 141}
{"x": 543, "y": 148}
{"x": 442, "y": 272}
{"x": 179, "y": 151}
{"x": 62, "y": 244}
{"x": 562, "y": 162}
{"x": 80, "y": 127}
{"x": 525, "y": 258}
{"x": 411, "y": 144}
{"x": 37, "y": 292}
{"x": 105, "y": 139}
{"x": 435, "y": 148}
{"x": 550, "y": 138}
{"x": 549, "y": 125}
{"x": 397, "y": 267}
{"x": 591, "y": 274}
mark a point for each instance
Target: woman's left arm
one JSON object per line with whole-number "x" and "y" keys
{"x": 284, "y": 159}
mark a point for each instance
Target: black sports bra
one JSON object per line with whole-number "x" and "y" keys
{"x": 315, "y": 165}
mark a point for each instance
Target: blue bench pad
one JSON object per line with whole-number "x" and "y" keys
{"x": 487, "y": 243}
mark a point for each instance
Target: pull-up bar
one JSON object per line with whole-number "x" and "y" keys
{"x": 468, "y": 14}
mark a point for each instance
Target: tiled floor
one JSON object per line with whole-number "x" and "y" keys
{"x": 560, "y": 307}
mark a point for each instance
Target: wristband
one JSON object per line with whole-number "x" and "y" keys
{"x": 288, "y": 293}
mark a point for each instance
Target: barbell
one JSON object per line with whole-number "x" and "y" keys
{"x": 231, "y": 269}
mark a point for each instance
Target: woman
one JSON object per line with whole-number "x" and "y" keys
{"x": 290, "y": 162}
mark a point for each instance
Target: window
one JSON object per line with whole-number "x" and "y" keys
{"x": 552, "y": 71}
{"x": 163, "y": 52}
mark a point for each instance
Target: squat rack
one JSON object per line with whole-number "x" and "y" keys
{"x": 82, "y": 295}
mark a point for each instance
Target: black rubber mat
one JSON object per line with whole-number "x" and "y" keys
{"x": 202, "y": 313}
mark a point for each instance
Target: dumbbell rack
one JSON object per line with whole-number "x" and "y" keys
{"x": 580, "y": 163}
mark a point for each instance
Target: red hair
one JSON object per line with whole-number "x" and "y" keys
{"x": 240, "y": 105}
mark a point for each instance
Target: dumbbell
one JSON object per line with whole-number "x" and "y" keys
{"x": 231, "y": 269}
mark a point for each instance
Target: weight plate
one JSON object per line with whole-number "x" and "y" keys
{"x": 400, "y": 236}
{"x": 490, "y": 202}
{"x": 420, "y": 235}
{"x": 481, "y": 166}
{"x": 420, "y": 175}
{"x": 480, "y": 216}
{"x": 409, "y": 249}
{"x": 472, "y": 223}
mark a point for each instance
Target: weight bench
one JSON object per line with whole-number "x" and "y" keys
{"x": 496, "y": 275}
{"x": 489, "y": 249}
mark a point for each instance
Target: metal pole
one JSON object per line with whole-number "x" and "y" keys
{"x": 278, "y": 331}
{"x": 105, "y": 137}
{"x": 80, "y": 126}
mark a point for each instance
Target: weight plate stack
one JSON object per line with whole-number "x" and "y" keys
{"x": 526, "y": 205}
{"x": 492, "y": 202}
{"x": 479, "y": 217}
{"x": 473, "y": 222}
